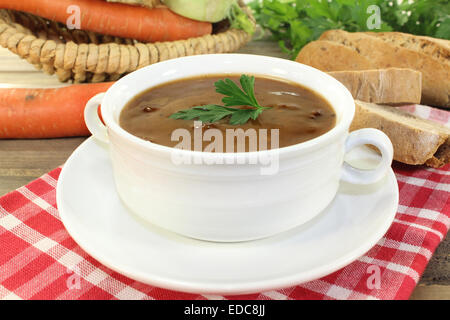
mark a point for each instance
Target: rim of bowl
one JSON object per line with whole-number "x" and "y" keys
{"x": 343, "y": 124}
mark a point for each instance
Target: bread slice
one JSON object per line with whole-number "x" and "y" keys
{"x": 416, "y": 141}
{"x": 332, "y": 56}
{"x": 384, "y": 54}
{"x": 386, "y": 86}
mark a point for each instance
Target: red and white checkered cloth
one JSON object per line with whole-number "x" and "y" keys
{"x": 37, "y": 254}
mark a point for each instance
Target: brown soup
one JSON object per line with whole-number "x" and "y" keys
{"x": 299, "y": 113}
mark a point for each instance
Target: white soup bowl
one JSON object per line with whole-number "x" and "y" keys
{"x": 232, "y": 202}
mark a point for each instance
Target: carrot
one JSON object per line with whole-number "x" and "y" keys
{"x": 46, "y": 113}
{"x": 116, "y": 19}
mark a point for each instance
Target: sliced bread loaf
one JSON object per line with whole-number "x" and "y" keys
{"x": 381, "y": 53}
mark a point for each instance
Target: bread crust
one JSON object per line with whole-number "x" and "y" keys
{"x": 332, "y": 56}
{"x": 437, "y": 48}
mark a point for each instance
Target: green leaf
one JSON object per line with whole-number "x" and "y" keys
{"x": 208, "y": 113}
{"x": 234, "y": 96}
{"x": 443, "y": 31}
{"x": 248, "y": 86}
{"x": 241, "y": 116}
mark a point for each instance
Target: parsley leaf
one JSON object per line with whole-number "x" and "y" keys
{"x": 208, "y": 113}
{"x": 234, "y": 96}
{"x": 241, "y": 116}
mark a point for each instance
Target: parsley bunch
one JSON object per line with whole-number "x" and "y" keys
{"x": 294, "y": 23}
{"x": 234, "y": 96}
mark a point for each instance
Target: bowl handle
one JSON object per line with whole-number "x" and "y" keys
{"x": 368, "y": 136}
{"x": 92, "y": 119}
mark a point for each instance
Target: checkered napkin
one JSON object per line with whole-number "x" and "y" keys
{"x": 39, "y": 260}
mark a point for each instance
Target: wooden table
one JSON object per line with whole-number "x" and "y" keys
{"x": 21, "y": 161}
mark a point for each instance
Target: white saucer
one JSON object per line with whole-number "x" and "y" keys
{"x": 97, "y": 220}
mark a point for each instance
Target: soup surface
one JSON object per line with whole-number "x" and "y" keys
{"x": 299, "y": 113}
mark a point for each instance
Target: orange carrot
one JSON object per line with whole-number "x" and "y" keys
{"x": 46, "y": 113}
{"x": 116, "y": 19}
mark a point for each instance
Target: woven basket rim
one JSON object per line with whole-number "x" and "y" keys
{"x": 107, "y": 60}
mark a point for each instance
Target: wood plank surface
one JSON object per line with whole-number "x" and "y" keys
{"x": 22, "y": 161}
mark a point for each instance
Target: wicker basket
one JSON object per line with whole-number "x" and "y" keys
{"x": 83, "y": 56}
